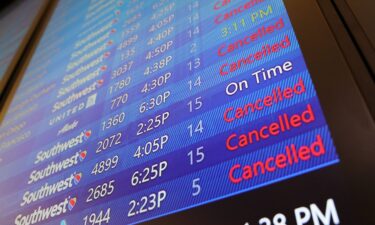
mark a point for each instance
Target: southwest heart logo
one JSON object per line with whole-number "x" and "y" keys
{"x": 100, "y": 82}
{"x": 113, "y": 30}
{"x": 110, "y": 42}
{"x": 103, "y": 68}
{"x": 77, "y": 178}
{"x": 72, "y": 203}
{"x": 82, "y": 155}
{"x": 88, "y": 133}
{"x": 107, "y": 54}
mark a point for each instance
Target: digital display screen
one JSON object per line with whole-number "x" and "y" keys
{"x": 133, "y": 110}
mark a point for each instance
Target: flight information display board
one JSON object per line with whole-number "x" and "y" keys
{"x": 133, "y": 110}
